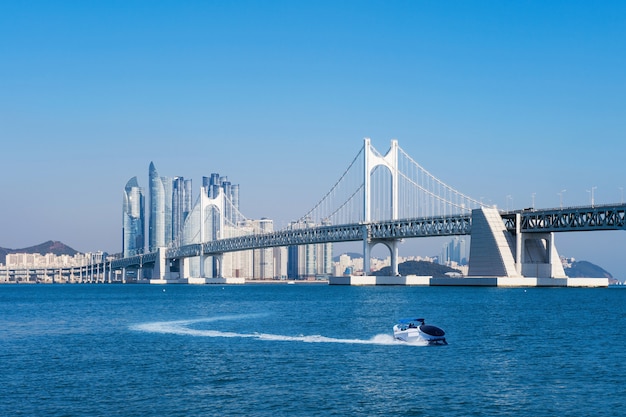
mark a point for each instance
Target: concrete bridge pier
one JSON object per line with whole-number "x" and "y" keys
{"x": 219, "y": 277}
{"x": 183, "y": 267}
{"x": 539, "y": 257}
{"x": 161, "y": 273}
{"x": 391, "y": 244}
{"x": 219, "y": 265}
{"x": 496, "y": 252}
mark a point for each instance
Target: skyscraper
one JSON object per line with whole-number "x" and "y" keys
{"x": 174, "y": 218}
{"x": 263, "y": 258}
{"x": 454, "y": 251}
{"x": 181, "y": 205}
{"x": 308, "y": 261}
{"x": 133, "y": 225}
{"x": 156, "y": 232}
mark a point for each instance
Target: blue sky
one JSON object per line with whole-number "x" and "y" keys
{"x": 495, "y": 98}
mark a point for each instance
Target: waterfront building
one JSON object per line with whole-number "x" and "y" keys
{"x": 171, "y": 200}
{"x": 251, "y": 264}
{"x": 309, "y": 261}
{"x": 174, "y": 219}
{"x": 51, "y": 260}
{"x": 182, "y": 201}
{"x": 168, "y": 197}
{"x": 263, "y": 258}
{"x": 52, "y": 268}
{"x": 453, "y": 252}
{"x": 344, "y": 265}
{"x": 238, "y": 264}
{"x": 280, "y": 262}
{"x": 133, "y": 222}
{"x": 156, "y": 230}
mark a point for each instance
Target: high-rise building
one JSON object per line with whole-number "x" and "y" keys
{"x": 280, "y": 262}
{"x": 308, "y": 261}
{"x": 181, "y": 205}
{"x": 214, "y": 184}
{"x": 462, "y": 252}
{"x": 263, "y": 258}
{"x": 133, "y": 225}
{"x": 173, "y": 217}
{"x": 234, "y": 195}
{"x": 171, "y": 201}
{"x": 454, "y": 251}
{"x": 156, "y": 231}
{"x": 168, "y": 193}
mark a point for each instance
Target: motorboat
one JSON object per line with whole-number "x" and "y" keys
{"x": 416, "y": 331}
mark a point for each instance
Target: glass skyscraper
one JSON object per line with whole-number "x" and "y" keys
{"x": 156, "y": 231}
{"x": 173, "y": 216}
{"x": 171, "y": 201}
{"x": 175, "y": 219}
{"x": 133, "y": 225}
{"x": 181, "y": 205}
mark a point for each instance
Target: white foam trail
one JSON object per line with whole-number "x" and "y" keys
{"x": 182, "y": 327}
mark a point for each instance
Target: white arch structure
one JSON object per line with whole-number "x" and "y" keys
{"x": 207, "y": 205}
{"x": 390, "y": 161}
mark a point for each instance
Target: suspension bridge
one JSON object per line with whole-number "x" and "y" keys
{"x": 383, "y": 199}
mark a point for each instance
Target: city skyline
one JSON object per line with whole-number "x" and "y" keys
{"x": 173, "y": 218}
{"x": 514, "y": 104}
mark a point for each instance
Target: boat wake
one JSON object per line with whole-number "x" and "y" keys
{"x": 186, "y": 328}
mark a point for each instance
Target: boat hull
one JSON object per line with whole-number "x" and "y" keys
{"x": 417, "y": 335}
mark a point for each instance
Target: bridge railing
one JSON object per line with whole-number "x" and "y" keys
{"x": 564, "y": 208}
{"x": 569, "y": 219}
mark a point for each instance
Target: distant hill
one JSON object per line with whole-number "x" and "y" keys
{"x": 579, "y": 269}
{"x": 51, "y": 246}
{"x": 584, "y": 269}
{"x": 422, "y": 268}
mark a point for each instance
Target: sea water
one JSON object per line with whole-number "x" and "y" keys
{"x": 303, "y": 350}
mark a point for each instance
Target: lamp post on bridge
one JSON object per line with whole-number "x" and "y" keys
{"x": 533, "y": 196}
{"x": 591, "y": 192}
{"x": 621, "y": 190}
{"x": 508, "y": 197}
{"x": 561, "y": 197}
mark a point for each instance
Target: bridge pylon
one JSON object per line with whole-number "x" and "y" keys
{"x": 211, "y": 230}
{"x": 390, "y": 161}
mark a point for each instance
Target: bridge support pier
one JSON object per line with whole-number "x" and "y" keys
{"x": 161, "y": 273}
{"x": 496, "y": 252}
{"x": 219, "y": 259}
{"x": 367, "y": 247}
{"x": 539, "y": 256}
{"x": 215, "y": 264}
{"x": 392, "y": 245}
{"x": 183, "y": 264}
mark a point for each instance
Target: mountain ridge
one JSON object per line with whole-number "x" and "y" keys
{"x": 51, "y": 246}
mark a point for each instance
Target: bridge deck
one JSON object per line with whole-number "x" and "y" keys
{"x": 586, "y": 218}
{"x": 570, "y": 219}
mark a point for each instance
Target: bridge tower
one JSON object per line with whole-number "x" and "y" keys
{"x": 207, "y": 205}
{"x": 207, "y": 217}
{"x": 390, "y": 161}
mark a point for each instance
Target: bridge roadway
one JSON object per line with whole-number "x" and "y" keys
{"x": 569, "y": 219}
{"x": 585, "y": 218}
